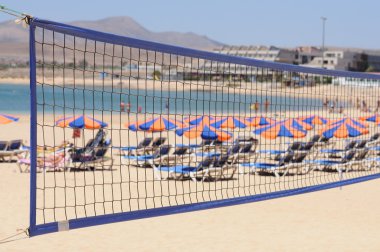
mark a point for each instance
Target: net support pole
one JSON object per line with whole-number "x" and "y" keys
{"x": 33, "y": 129}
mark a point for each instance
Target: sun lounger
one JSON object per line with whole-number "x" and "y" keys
{"x": 190, "y": 146}
{"x": 322, "y": 141}
{"x": 3, "y": 145}
{"x": 143, "y": 160}
{"x": 276, "y": 154}
{"x": 181, "y": 155}
{"x": 149, "y": 150}
{"x": 182, "y": 171}
{"x": 92, "y": 157}
{"x": 371, "y": 163}
{"x": 361, "y": 144}
{"x": 208, "y": 145}
{"x": 338, "y": 164}
{"x": 213, "y": 171}
{"x": 125, "y": 151}
{"x": 276, "y": 168}
{"x": 374, "y": 140}
{"x": 12, "y": 149}
{"x": 228, "y": 169}
{"x": 211, "y": 151}
{"x": 45, "y": 150}
{"x": 337, "y": 153}
{"x": 53, "y": 162}
{"x": 246, "y": 154}
{"x": 360, "y": 161}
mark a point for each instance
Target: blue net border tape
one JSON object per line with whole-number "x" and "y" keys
{"x": 187, "y": 52}
{"x": 112, "y": 218}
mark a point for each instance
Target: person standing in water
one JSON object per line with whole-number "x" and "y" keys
{"x": 325, "y": 102}
{"x": 266, "y": 105}
{"x": 255, "y": 106}
{"x": 122, "y": 106}
{"x": 167, "y": 106}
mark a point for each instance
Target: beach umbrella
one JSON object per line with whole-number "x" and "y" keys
{"x": 5, "y": 119}
{"x": 344, "y": 128}
{"x": 372, "y": 118}
{"x": 348, "y": 120}
{"x": 80, "y": 122}
{"x": 287, "y": 128}
{"x": 199, "y": 120}
{"x": 157, "y": 124}
{"x": 314, "y": 120}
{"x": 260, "y": 120}
{"x": 204, "y": 131}
{"x": 294, "y": 122}
{"x": 230, "y": 122}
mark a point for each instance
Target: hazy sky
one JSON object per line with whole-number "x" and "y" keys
{"x": 271, "y": 22}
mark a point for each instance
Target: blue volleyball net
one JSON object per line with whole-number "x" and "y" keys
{"x": 123, "y": 129}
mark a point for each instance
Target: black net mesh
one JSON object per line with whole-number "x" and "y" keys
{"x": 121, "y": 128}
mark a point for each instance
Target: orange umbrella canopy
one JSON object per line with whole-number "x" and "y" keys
{"x": 260, "y": 120}
{"x": 230, "y": 122}
{"x": 344, "y": 128}
{"x": 314, "y": 120}
{"x": 201, "y": 126}
{"x": 5, "y": 119}
{"x": 157, "y": 124}
{"x": 80, "y": 122}
{"x": 204, "y": 131}
{"x": 288, "y": 128}
{"x": 372, "y": 118}
{"x": 195, "y": 120}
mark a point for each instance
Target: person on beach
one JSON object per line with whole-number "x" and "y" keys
{"x": 364, "y": 106}
{"x": 341, "y": 109}
{"x": 358, "y": 106}
{"x": 266, "y": 105}
{"x": 167, "y": 106}
{"x": 332, "y": 107}
{"x": 122, "y": 106}
{"x": 128, "y": 107}
{"x": 255, "y": 106}
{"x": 139, "y": 109}
{"x": 325, "y": 102}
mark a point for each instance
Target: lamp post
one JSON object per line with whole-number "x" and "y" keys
{"x": 323, "y": 39}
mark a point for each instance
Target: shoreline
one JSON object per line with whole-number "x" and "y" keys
{"x": 15, "y": 81}
{"x": 346, "y": 94}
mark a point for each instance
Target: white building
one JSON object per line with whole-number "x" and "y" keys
{"x": 267, "y": 53}
{"x": 347, "y": 81}
{"x": 334, "y": 60}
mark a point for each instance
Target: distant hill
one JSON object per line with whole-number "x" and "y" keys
{"x": 14, "y": 38}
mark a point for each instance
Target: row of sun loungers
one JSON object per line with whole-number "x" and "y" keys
{"x": 210, "y": 160}
{"x": 66, "y": 157}
{"x": 10, "y": 149}
{"x": 354, "y": 155}
{"x": 298, "y": 158}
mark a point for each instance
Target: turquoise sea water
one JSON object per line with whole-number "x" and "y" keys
{"x": 15, "y": 99}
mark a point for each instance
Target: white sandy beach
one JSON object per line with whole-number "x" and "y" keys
{"x": 332, "y": 220}
{"x": 103, "y": 173}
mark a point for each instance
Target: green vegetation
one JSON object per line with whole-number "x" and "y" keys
{"x": 370, "y": 68}
{"x": 156, "y": 75}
